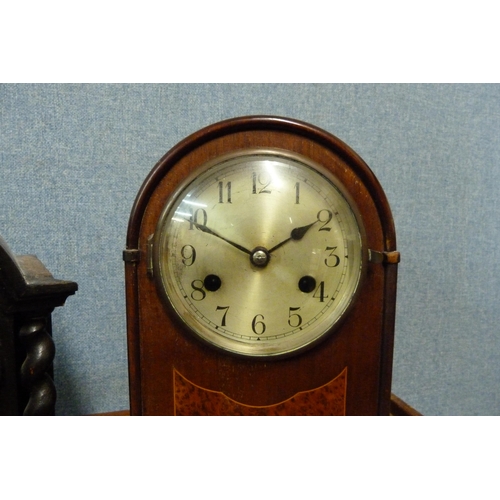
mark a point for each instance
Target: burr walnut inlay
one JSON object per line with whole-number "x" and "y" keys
{"x": 328, "y": 399}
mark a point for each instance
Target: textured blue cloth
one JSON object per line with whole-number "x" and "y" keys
{"x": 72, "y": 158}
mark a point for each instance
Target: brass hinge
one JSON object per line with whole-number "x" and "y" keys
{"x": 131, "y": 255}
{"x": 384, "y": 257}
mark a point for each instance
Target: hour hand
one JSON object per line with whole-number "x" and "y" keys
{"x": 207, "y": 230}
{"x": 296, "y": 234}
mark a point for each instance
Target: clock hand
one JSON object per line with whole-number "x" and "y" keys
{"x": 207, "y": 230}
{"x": 296, "y": 234}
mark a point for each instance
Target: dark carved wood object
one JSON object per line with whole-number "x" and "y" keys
{"x": 28, "y": 295}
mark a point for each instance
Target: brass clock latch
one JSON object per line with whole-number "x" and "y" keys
{"x": 376, "y": 257}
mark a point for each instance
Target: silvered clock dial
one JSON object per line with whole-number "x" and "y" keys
{"x": 260, "y": 252}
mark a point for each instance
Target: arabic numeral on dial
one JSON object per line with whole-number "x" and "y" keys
{"x": 332, "y": 260}
{"x": 221, "y": 192}
{"x": 188, "y": 254}
{"x": 320, "y": 292}
{"x": 260, "y": 182}
{"x": 258, "y": 326}
{"x": 199, "y": 213}
{"x": 297, "y": 193}
{"x": 325, "y": 216}
{"x": 223, "y": 308}
{"x": 198, "y": 292}
{"x": 294, "y": 319}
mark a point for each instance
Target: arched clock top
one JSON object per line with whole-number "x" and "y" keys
{"x": 271, "y": 124}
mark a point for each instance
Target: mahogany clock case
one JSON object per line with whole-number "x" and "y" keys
{"x": 162, "y": 354}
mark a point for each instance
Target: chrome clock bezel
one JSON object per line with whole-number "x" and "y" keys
{"x": 291, "y": 344}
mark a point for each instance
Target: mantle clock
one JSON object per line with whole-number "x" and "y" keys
{"x": 261, "y": 270}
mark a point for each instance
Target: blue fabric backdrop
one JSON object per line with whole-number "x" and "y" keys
{"x": 72, "y": 158}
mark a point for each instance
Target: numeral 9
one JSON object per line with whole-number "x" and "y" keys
{"x": 188, "y": 254}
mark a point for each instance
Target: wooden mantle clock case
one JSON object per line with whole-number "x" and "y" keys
{"x": 261, "y": 269}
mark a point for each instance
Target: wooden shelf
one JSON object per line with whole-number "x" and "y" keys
{"x": 398, "y": 409}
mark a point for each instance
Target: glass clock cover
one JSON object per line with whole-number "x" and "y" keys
{"x": 260, "y": 252}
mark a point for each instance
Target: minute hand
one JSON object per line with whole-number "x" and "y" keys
{"x": 207, "y": 230}
{"x": 296, "y": 234}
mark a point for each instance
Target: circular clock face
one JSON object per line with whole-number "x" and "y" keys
{"x": 260, "y": 253}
